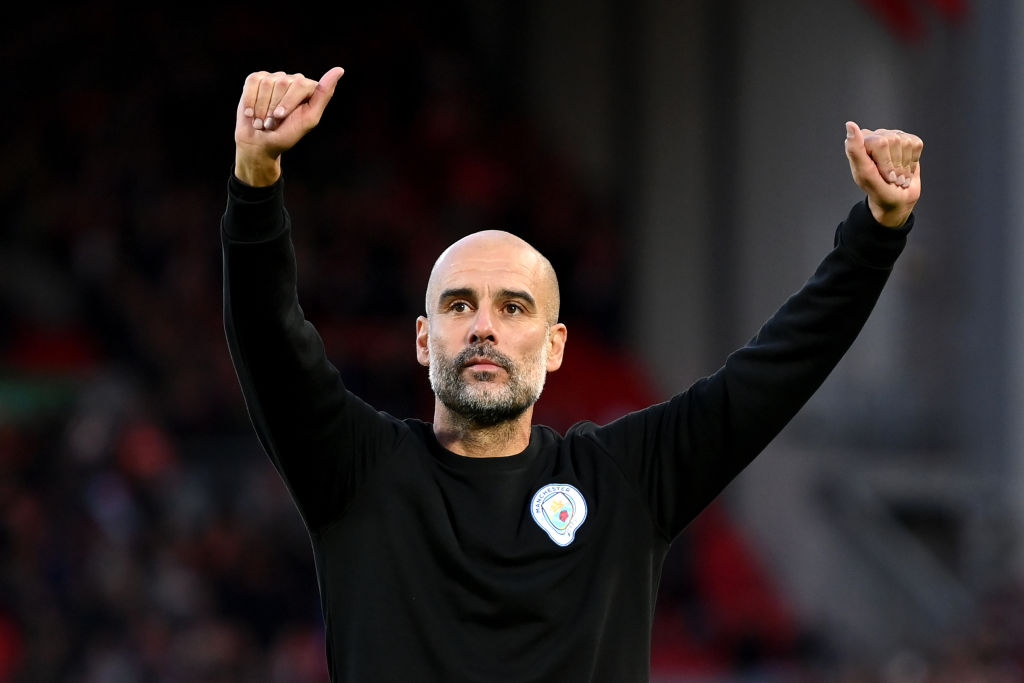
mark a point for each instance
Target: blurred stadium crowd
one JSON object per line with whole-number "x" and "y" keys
{"x": 143, "y": 534}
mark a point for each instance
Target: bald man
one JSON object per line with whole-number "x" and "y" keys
{"x": 487, "y": 286}
{"x": 479, "y": 546}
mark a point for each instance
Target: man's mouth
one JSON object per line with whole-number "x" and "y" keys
{"x": 480, "y": 364}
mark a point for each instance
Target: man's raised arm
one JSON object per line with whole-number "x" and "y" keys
{"x": 698, "y": 441}
{"x": 315, "y": 431}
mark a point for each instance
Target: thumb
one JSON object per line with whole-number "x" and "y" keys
{"x": 853, "y": 132}
{"x": 862, "y": 166}
{"x": 325, "y": 89}
{"x": 855, "y": 150}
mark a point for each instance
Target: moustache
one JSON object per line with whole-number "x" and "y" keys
{"x": 485, "y": 352}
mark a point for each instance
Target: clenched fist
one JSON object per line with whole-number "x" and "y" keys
{"x": 886, "y": 164}
{"x": 275, "y": 111}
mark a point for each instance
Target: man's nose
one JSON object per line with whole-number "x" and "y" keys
{"x": 483, "y": 327}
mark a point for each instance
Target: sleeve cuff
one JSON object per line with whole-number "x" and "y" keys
{"x": 254, "y": 214}
{"x": 872, "y": 243}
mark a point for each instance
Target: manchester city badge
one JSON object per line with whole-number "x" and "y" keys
{"x": 559, "y": 509}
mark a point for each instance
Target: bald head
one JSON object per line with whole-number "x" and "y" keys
{"x": 499, "y": 259}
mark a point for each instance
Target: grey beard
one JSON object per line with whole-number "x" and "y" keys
{"x": 481, "y": 410}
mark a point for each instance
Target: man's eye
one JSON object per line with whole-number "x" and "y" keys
{"x": 459, "y": 307}
{"x": 514, "y": 309}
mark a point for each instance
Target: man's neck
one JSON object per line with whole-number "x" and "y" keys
{"x": 464, "y": 437}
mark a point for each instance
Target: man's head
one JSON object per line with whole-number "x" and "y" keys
{"x": 491, "y": 332}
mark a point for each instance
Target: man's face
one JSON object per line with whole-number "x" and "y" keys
{"x": 490, "y": 339}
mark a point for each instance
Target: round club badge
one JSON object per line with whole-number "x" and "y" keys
{"x": 559, "y": 509}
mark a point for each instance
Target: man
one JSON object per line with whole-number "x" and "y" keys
{"x": 481, "y": 547}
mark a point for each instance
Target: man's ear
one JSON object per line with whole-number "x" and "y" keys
{"x": 422, "y": 337}
{"x": 556, "y": 346}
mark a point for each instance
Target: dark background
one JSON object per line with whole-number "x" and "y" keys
{"x": 144, "y": 535}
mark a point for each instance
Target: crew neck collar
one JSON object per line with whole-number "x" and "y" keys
{"x": 465, "y": 462}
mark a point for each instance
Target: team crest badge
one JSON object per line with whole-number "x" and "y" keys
{"x": 559, "y": 509}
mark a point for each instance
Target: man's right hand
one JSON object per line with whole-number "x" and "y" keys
{"x": 275, "y": 111}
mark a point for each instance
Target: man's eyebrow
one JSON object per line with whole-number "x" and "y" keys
{"x": 457, "y": 293}
{"x": 516, "y": 294}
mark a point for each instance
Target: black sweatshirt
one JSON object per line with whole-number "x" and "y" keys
{"x": 541, "y": 566}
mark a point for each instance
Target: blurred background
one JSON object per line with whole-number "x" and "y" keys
{"x": 680, "y": 162}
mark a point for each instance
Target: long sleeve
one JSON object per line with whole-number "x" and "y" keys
{"x": 321, "y": 438}
{"x": 682, "y": 453}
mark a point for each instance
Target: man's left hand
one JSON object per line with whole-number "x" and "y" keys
{"x": 886, "y": 164}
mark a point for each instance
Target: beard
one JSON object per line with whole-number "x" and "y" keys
{"x": 484, "y": 402}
